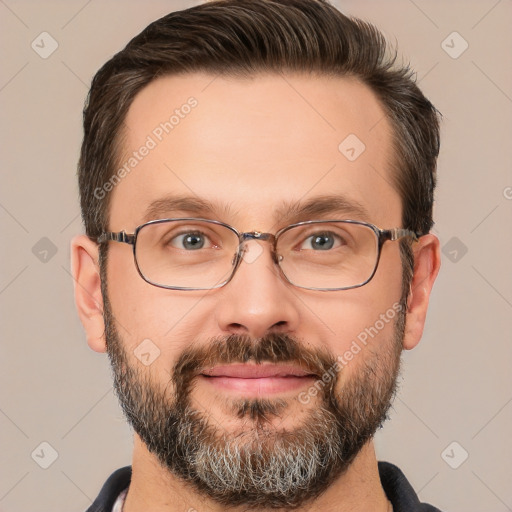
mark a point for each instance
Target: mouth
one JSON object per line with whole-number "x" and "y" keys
{"x": 258, "y": 379}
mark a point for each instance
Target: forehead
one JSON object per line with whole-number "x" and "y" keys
{"x": 252, "y": 150}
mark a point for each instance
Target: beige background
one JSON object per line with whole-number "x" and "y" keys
{"x": 457, "y": 383}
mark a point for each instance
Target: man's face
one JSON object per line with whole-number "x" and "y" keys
{"x": 256, "y": 150}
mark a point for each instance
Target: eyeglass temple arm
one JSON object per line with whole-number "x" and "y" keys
{"x": 397, "y": 233}
{"x": 122, "y": 236}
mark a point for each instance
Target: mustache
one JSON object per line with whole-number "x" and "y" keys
{"x": 235, "y": 348}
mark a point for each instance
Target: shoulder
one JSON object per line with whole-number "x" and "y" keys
{"x": 117, "y": 482}
{"x": 400, "y": 492}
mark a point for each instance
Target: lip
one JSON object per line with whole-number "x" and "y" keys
{"x": 256, "y": 371}
{"x": 256, "y": 380}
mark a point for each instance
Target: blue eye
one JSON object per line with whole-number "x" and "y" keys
{"x": 189, "y": 241}
{"x": 321, "y": 242}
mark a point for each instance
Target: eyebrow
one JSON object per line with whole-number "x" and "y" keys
{"x": 321, "y": 207}
{"x": 315, "y": 208}
{"x": 171, "y": 204}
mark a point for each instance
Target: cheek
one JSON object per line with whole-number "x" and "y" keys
{"x": 347, "y": 320}
{"x": 366, "y": 340}
{"x": 353, "y": 323}
{"x": 151, "y": 319}
{"x": 128, "y": 293}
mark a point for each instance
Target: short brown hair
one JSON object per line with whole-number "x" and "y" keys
{"x": 240, "y": 38}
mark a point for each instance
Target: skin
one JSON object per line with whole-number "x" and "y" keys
{"x": 248, "y": 146}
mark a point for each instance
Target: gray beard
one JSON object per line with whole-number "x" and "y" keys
{"x": 259, "y": 465}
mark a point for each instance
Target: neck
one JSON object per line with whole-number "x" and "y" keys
{"x": 154, "y": 488}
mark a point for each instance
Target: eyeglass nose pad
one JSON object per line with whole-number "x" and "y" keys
{"x": 238, "y": 256}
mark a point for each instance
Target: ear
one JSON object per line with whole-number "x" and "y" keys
{"x": 427, "y": 260}
{"x": 88, "y": 298}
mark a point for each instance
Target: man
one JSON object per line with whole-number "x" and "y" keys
{"x": 256, "y": 183}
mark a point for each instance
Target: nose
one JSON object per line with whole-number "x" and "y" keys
{"x": 257, "y": 300}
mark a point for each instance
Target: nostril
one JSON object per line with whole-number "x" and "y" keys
{"x": 236, "y": 328}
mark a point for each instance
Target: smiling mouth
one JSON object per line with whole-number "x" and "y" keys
{"x": 257, "y": 380}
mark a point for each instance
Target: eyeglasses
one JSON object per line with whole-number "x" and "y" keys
{"x": 202, "y": 254}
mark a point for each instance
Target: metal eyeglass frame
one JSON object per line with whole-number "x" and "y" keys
{"x": 383, "y": 235}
